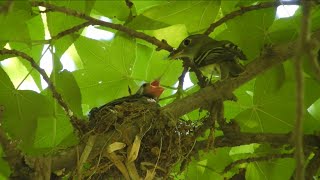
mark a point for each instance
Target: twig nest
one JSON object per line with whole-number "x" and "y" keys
{"x": 135, "y": 140}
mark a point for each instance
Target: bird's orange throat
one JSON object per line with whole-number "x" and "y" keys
{"x": 155, "y": 89}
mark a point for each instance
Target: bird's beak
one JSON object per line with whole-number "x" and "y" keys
{"x": 176, "y": 54}
{"x": 155, "y": 89}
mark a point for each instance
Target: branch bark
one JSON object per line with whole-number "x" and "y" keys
{"x": 301, "y": 50}
{"x": 50, "y": 8}
{"x": 244, "y": 10}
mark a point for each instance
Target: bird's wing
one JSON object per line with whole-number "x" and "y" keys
{"x": 217, "y": 52}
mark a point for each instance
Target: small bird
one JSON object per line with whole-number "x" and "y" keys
{"x": 147, "y": 91}
{"x": 219, "y": 57}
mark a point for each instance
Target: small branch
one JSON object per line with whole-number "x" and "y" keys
{"x": 70, "y": 31}
{"x": 52, "y": 8}
{"x": 53, "y": 89}
{"x": 255, "y": 159}
{"x": 275, "y": 140}
{"x": 313, "y": 166}
{"x": 246, "y": 9}
{"x": 301, "y": 50}
{"x": 181, "y": 80}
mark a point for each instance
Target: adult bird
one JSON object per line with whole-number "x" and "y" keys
{"x": 211, "y": 56}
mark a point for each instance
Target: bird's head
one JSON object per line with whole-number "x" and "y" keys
{"x": 152, "y": 90}
{"x": 190, "y": 46}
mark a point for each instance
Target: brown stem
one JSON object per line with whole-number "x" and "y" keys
{"x": 255, "y": 159}
{"x": 301, "y": 49}
{"x": 93, "y": 21}
{"x": 246, "y": 9}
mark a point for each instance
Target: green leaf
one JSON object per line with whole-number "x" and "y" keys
{"x": 52, "y": 131}
{"x": 59, "y": 22}
{"x": 196, "y": 15}
{"x": 13, "y": 24}
{"x": 284, "y": 30}
{"x": 92, "y": 52}
{"x": 113, "y": 9}
{"x": 22, "y": 109}
{"x": 314, "y": 110}
{"x": 274, "y": 112}
{"x": 122, "y": 54}
{"x": 142, "y": 22}
{"x": 207, "y": 167}
{"x": 248, "y": 31}
{"x": 244, "y": 95}
{"x": 268, "y": 83}
{"x": 145, "y": 5}
{"x": 68, "y": 88}
{"x": 277, "y": 169}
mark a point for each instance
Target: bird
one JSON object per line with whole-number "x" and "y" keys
{"x": 149, "y": 92}
{"x": 211, "y": 56}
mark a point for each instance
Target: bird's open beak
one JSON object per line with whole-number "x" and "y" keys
{"x": 155, "y": 88}
{"x": 176, "y": 54}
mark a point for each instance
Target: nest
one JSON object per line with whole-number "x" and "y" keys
{"x": 135, "y": 140}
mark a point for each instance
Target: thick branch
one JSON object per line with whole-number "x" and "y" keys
{"x": 246, "y": 9}
{"x": 255, "y": 159}
{"x": 93, "y": 21}
{"x": 275, "y": 140}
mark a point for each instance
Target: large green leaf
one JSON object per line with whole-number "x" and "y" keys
{"x": 145, "y": 23}
{"x": 274, "y": 111}
{"x": 196, "y": 15}
{"x": 13, "y": 24}
{"x": 21, "y": 111}
{"x": 248, "y": 31}
{"x": 209, "y": 166}
{"x": 92, "y": 52}
{"x": 59, "y": 22}
{"x": 67, "y": 86}
{"x": 277, "y": 169}
{"x": 113, "y": 9}
{"x": 244, "y": 95}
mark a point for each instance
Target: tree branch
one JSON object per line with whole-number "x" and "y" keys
{"x": 69, "y": 31}
{"x": 313, "y": 166}
{"x": 52, "y": 8}
{"x": 301, "y": 49}
{"x": 255, "y": 159}
{"x": 244, "y": 10}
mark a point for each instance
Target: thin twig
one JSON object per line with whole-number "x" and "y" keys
{"x": 244, "y": 10}
{"x": 301, "y": 49}
{"x": 181, "y": 80}
{"x": 52, "y": 8}
{"x": 69, "y": 31}
{"x": 53, "y": 89}
{"x": 255, "y": 159}
{"x": 313, "y": 166}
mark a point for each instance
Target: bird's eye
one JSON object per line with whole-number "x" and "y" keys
{"x": 186, "y": 42}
